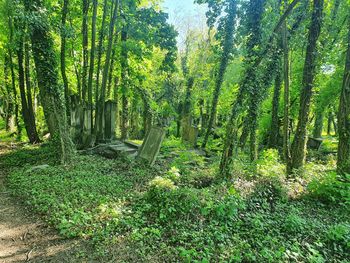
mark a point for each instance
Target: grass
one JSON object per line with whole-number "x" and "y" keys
{"x": 177, "y": 211}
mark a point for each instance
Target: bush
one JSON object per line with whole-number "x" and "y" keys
{"x": 269, "y": 164}
{"x": 331, "y": 189}
{"x": 267, "y": 192}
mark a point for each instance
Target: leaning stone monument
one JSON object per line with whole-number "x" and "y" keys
{"x": 151, "y": 145}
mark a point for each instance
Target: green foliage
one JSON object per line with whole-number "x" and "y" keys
{"x": 331, "y": 189}
{"x": 269, "y": 164}
{"x": 164, "y": 216}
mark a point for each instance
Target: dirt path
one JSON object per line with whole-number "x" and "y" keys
{"x": 24, "y": 237}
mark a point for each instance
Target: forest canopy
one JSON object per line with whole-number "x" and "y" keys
{"x": 258, "y": 98}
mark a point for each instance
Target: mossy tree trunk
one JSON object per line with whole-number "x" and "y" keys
{"x": 124, "y": 85}
{"x": 92, "y": 58}
{"x": 63, "y": 57}
{"x": 29, "y": 122}
{"x": 98, "y": 68}
{"x": 344, "y": 117}
{"x": 227, "y": 48}
{"x": 298, "y": 149}
{"x": 51, "y": 92}
{"x": 275, "y": 127}
{"x": 106, "y": 69}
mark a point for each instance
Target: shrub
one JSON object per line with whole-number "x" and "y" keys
{"x": 269, "y": 164}
{"x": 331, "y": 189}
{"x": 267, "y": 192}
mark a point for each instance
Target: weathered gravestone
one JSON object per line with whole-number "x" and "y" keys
{"x": 151, "y": 145}
{"x": 314, "y": 143}
{"x": 87, "y": 139}
{"x": 190, "y": 135}
{"x": 110, "y": 120}
{"x": 76, "y": 117}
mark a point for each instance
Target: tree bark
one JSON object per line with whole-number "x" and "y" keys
{"x": 29, "y": 126}
{"x": 63, "y": 57}
{"x": 13, "y": 79}
{"x": 29, "y": 90}
{"x": 92, "y": 58}
{"x": 275, "y": 127}
{"x": 86, "y": 4}
{"x": 124, "y": 82}
{"x": 106, "y": 69}
{"x": 299, "y": 143}
{"x": 343, "y": 165}
{"x": 51, "y": 91}
{"x": 99, "y": 58}
{"x": 227, "y": 46}
{"x": 318, "y": 126}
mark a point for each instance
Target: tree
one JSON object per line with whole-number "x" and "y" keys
{"x": 51, "y": 92}
{"x": 27, "y": 112}
{"x": 343, "y": 164}
{"x": 227, "y": 43}
{"x": 63, "y": 57}
{"x": 300, "y": 138}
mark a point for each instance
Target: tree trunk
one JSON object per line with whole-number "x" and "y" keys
{"x": 86, "y": 4}
{"x": 124, "y": 82}
{"x": 286, "y": 102}
{"x": 63, "y": 57}
{"x": 9, "y": 113}
{"x": 227, "y": 46}
{"x": 92, "y": 59}
{"x": 343, "y": 165}
{"x": 106, "y": 69}
{"x": 29, "y": 90}
{"x": 51, "y": 91}
{"x": 275, "y": 127}
{"x": 99, "y": 58}
{"x": 30, "y": 128}
{"x": 318, "y": 127}
{"x": 299, "y": 143}
{"x": 13, "y": 79}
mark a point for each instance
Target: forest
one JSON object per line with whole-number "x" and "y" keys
{"x": 126, "y": 137}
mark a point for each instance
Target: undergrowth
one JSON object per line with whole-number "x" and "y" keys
{"x": 167, "y": 214}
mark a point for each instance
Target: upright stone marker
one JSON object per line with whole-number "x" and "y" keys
{"x": 110, "y": 120}
{"x": 151, "y": 145}
{"x": 76, "y": 117}
{"x": 190, "y": 135}
{"x": 87, "y": 139}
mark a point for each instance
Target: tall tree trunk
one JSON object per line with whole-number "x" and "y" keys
{"x": 13, "y": 78}
{"x": 230, "y": 140}
{"x": 9, "y": 117}
{"x": 106, "y": 69}
{"x": 86, "y": 4}
{"x": 99, "y": 58}
{"x": 29, "y": 126}
{"x": 343, "y": 165}
{"x": 318, "y": 126}
{"x": 124, "y": 82}
{"x": 29, "y": 88}
{"x": 299, "y": 143}
{"x": 275, "y": 127}
{"x": 286, "y": 80}
{"x": 47, "y": 73}
{"x": 92, "y": 58}
{"x": 63, "y": 57}
{"x": 329, "y": 121}
{"x": 227, "y": 47}
{"x": 111, "y": 70}
{"x": 116, "y": 100}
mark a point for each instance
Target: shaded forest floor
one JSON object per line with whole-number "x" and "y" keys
{"x": 24, "y": 236}
{"x": 121, "y": 211}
